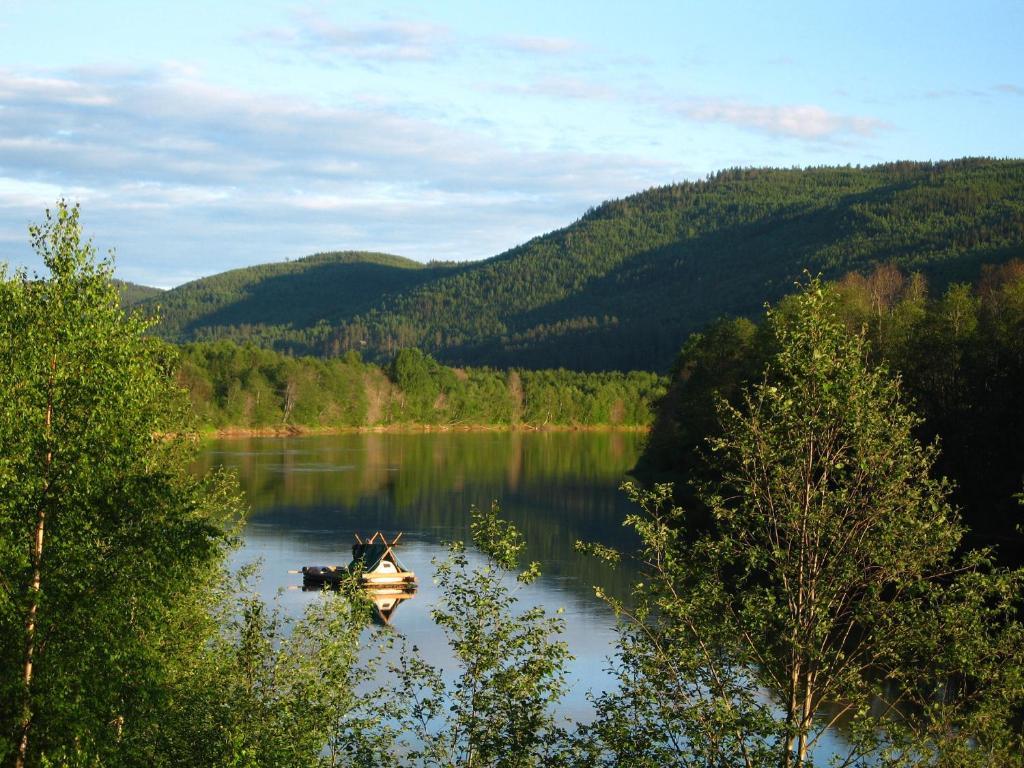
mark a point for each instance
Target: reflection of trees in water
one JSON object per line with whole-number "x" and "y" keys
{"x": 342, "y": 468}
{"x": 556, "y": 488}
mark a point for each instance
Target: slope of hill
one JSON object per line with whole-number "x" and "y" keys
{"x": 624, "y": 285}
{"x": 133, "y": 293}
{"x": 323, "y": 288}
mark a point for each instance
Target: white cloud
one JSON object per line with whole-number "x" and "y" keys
{"x": 12, "y": 85}
{"x": 317, "y": 36}
{"x": 174, "y": 170}
{"x": 547, "y": 46}
{"x": 807, "y": 121}
{"x": 560, "y": 87}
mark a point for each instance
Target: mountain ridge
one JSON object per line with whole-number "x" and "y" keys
{"x": 623, "y": 285}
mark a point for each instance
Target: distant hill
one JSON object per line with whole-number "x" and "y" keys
{"x": 623, "y": 286}
{"x": 324, "y": 288}
{"x": 133, "y": 293}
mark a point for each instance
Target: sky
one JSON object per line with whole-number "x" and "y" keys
{"x": 200, "y": 136}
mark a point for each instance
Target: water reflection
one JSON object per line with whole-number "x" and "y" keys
{"x": 385, "y": 600}
{"x": 315, "y": 493}
{"x": 311, "y": 496}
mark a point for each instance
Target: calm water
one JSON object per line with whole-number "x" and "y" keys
{"x": 309, "y": 495}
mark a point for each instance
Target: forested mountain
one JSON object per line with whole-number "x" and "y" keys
{"x": 257, "y": 302}
{"x": 133, "y": 293}
{"x": 622, "y": 287}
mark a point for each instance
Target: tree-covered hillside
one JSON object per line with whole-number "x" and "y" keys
{"x": 254, "y": 303}
{"x": 133, "y": 293}
{"x": 622, "y": 287}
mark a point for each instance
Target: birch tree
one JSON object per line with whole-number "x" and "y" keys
{"x": 101, "y": 524}
{"x": 828, "y": 591}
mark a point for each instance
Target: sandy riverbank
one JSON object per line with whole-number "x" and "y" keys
{"x": 292, "y": 430}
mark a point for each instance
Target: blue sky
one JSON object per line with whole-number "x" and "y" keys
{"x": 203, "y": 136}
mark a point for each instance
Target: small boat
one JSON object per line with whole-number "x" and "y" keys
{"x": 374, "y": 560}
{"x": 381, "y": 575}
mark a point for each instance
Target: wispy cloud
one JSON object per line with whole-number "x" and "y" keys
{"x": 1010, "y": 88}
{"x": 320, "y": 38}
{"x": 802, "y": 122}
{"x": 808, "y": 121}
{"x": 173, "y": 169}
{"x": 938, "y": 94}
{"x": 546, "y": 46}
{"x": 562, "y": 87}
{"x": 48, "y": 88}
{"x": 325, "y": 40}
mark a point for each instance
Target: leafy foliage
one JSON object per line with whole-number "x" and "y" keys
{"x": 824, "y": 584}
{"x": 266, "y": 689}
{"x": 828, "y": 577}
{"x": 960, "y": 357}
{"x": 499, "y": 710}
{"x": 232, "y": 386}
{"x": 102, "y": 527}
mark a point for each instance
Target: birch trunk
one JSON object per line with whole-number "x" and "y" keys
{"x": 37, "y": 579}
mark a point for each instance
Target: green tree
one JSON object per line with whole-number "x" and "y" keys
{"x": 423, "y": 383}
{"x": 102, "y": 527}
{"x": 261, "y": 688}
{"x": 499, "y": 710}
{"x": 828, "y": 577}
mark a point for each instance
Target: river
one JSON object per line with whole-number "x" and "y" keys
{"x": 309, "y": 496}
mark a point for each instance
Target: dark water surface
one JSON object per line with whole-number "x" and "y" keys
{"x": 309, "y": 495}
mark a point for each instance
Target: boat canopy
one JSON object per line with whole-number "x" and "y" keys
{"x": 368, "y": 555}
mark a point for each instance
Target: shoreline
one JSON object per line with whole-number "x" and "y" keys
{"x": 291, "y": 430}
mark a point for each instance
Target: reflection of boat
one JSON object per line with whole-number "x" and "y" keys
{"x": 381, "y": 574}
{"x": 386, "y": 601}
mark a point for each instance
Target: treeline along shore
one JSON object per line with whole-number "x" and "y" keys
{"x": 959, "y": 355}
{"x": 250, "y": 390}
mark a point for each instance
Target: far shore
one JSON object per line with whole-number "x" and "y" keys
{"x": 293, "y": 430}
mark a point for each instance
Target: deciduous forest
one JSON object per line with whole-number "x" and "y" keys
{"x": 959, "y": 354}
{"x": 250, "y": 387}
